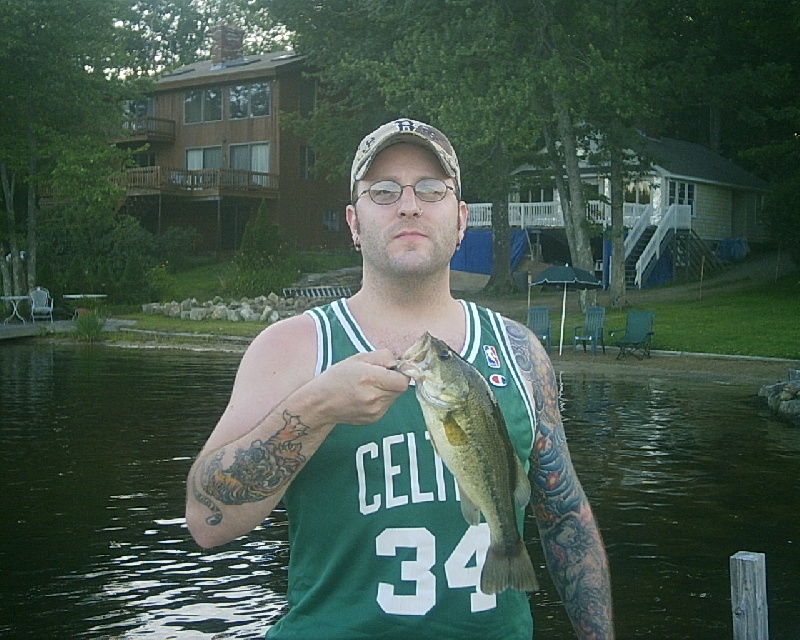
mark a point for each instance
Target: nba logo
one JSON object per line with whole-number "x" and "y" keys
{"x": 492, "y": 359}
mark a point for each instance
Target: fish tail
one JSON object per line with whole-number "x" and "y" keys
{"x": 508, "y": 567}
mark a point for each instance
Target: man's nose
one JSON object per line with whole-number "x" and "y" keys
{"x": 408, "y": 203}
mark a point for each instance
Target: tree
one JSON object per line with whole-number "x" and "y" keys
{"x": 427, "y": 61}
{"x": 59, "y": 62}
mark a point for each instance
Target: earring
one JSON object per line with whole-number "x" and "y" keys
{"x": 356, "y": 245}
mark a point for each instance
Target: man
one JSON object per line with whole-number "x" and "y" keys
{"x": 320, "y": 418}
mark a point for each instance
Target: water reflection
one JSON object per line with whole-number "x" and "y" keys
{"x": 95, "y": 444}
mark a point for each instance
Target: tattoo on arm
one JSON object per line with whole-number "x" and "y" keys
{"x": 256, "y": 472}
{"x": 570, "y": 538}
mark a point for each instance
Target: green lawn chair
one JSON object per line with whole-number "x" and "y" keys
{"x": 591, "y": 331}
{"x": 637, "y": 336}
{"x": 539, "y": 323}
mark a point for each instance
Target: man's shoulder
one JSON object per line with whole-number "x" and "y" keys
{"x": 294, "y": 336}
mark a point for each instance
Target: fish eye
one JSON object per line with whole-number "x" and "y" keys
{"x": 444, "y": 354}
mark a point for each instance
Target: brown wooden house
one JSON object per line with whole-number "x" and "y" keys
{"x": 216, "y": 150}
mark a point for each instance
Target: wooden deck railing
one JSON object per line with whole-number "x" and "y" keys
{"x": 150, "y": 128}
{"x": 196, "y": 180}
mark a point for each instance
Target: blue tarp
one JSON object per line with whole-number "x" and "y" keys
{"x": 475, "y": 253}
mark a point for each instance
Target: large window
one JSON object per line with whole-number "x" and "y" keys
{"x": 638, "y": 192}
{"x": 252, "y": 157}
{"x": 249, "y": 100}
{"x": 202, "y": 105}
{"x": 204, "y": 158}
{"x": 307, "y": 160}
{"x": 681, "y": 193}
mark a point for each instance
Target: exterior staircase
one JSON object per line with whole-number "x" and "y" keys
{"x": 635, "y": 254}
{"x": 691, "y": 257}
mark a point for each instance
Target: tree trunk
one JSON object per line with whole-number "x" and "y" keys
{"x": 31, "y": 244}
{"x": 17, "y": 284}
{"x": 577, "y": 231}
{"x": 501, "y": 280}
{"x": 617, "y": 276}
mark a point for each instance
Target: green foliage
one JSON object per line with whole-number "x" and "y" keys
{"x": 109, "y": 253}
{"x": 176, "y": 246}
{"x": 266, "y": 261}
{"x": 782, "y": 215}
{"x": 89, "y": 325}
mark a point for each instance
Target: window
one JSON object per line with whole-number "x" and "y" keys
{"x": 202, "y": 105}
{"x": 330, "y": 220}
{"x": 681, "y": 193}
{"x": 252, "y": 157}
{"x": 138, "y": 108}
{"x": 307, "y": 160}
{"x": 638, "y": 192}
{"x": 249, "y": 100}
{"x": 204, "y": 158}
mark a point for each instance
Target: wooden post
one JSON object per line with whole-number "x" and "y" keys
{"x": 749, "y": 596}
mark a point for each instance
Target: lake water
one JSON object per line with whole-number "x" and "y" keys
{"x": 95, "y": 443}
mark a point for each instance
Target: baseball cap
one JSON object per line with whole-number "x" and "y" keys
{"x": 405, "y": 130}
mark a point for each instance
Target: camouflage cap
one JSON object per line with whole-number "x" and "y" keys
{"x": 405, "y": 130}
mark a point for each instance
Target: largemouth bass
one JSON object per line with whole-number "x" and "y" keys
{"x": 469, "y": 433}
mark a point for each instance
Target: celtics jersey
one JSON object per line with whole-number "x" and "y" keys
{"x": 379, "y": 548}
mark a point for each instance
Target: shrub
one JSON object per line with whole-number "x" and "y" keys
{"x": 87, "y": 252}
{"x": 89, "y": 325}
{"x": 266, "y": 261}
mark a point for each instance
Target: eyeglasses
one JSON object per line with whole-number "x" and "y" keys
{"x": 389, "y": 191}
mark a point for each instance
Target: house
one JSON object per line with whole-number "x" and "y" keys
{"x": 688, "y": 203}
{"x": 216, "y": 149}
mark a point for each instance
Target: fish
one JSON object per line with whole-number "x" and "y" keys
{"x": 469, "y": 434}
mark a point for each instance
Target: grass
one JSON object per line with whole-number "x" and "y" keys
{"x": 761, "y": 320}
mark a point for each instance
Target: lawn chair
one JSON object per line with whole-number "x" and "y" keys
{"x": 591, "y": 330}
{"x": 539, "y": 323}
{"x": 41, "y": 304}
{"x": 637, "y": 336}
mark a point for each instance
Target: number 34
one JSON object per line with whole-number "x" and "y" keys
{"x": 475, "y": 542}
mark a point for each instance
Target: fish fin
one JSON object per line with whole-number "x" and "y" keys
{"x": 508, "y": 567}
{"x": 469, "y": 509}
{"x": 522, "y": 490}
{"x": 455, "y": 434}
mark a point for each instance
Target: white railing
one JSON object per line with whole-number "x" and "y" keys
{"x": 549, "y": 215}
{"x": 678, "y": 216}
{"x": 638, "y": 228}
{"x": 520, "y": 214}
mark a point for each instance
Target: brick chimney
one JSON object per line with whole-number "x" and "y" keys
{"x": 226, "y": 44}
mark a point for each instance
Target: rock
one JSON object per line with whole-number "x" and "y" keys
{"x": 783, "y": 398}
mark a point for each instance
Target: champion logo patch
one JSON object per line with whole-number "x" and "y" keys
{"x": 498, "y": 380}
{"x": 492, "y": 359}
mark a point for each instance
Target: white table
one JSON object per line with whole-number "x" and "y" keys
{"x": 83, "y": 296}
{"x": 14, "y": 300}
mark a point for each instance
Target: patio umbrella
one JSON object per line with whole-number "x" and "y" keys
{"x": 569, "y": 278}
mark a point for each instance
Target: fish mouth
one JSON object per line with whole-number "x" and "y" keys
{"x": 416, "y": 364}
{"x": 417, "y": 358}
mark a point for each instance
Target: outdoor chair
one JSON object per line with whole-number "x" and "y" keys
{"x": 41, "y": 304}
{"x": 637, "y": 335}
{"x": 539, "y": 323}
{"x": 591, "y": 331}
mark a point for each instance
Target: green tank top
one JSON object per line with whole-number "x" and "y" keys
{"x": 379, "y": 548}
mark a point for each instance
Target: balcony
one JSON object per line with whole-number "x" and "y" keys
{"x": 548, "y": 215}
{"x": 149, "y": 129}
{"x": 200, "y": 182}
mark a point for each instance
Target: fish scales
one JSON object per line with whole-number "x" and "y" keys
{"x": 470, "y": 435}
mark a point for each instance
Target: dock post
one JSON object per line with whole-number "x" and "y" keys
{"x": 749, "y": 596}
